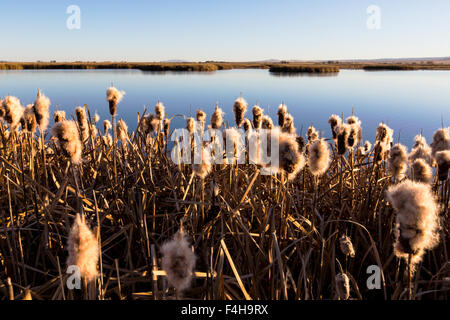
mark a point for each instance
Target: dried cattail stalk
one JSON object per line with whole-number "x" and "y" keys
{"x": 443, "y": 162}
{"x": 421, "y": 171}
{"x": 178, "y": 261}
{"x": 68, "y": 139}
{"x": 13, "y": 111}
{"x": 421, "y": 150}
{"x": 59, "y": 116}
{"x": 342, "y": 133}
{"x": 29, "y": 119}
{"x": 107, "y": 139}
{"x": 113, "y": 96}
{"x": 334, "y": 122}
{"x": 239, "y": 109}
{"x": 160, "y": 111}
{"x": 346, "y": 246}
{"x": 267, "y": 122}
{"x": 288, "y": 126}
{"x": 318, "y": 157}
{"x": 166, "y": 127}
{"x": 398, "y": 161}
{"x": 417, "y": 220}
{"x": 217, "y": 118}
{"x": 41, "y": 110}
{"x": 83, "y": 249}
{"x": 106, "y": 126}
{"x": 441, "y": 141}
{"x": 257, "y": 117}
{"x": 281, "y": 113}
{"x": 342, "y": 286}
{"x": 82, "y": 123}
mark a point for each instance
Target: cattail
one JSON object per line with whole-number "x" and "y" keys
{"x": 151, "y": 123}
{"x": 384, "y": 139}
{"x": 421, "y": 150}
{"x": 312, "y": 134}
{"x": 13, "y": 111}
{"x": 113, "y": 96}
{"x": 355, "y": 132}
{"x": 83, "y": 249}
{"x": 267, "y": 122}
{"x": 247, "y": 125}
{"x": 29, "y": 119}
{"x": 233, "y": 143}
{"x": 96, "y": 117}
{"x": 59, "y": 116}
{"x": 41, "y": 110}
{"x": 201, "y": 120}
{"x": 257, "y": 117}
{"x": 122, "y": 131}
{"x": 441, "y": 141}
{"x": 203, "y": 167}
{"x": 68, "y": 139}
{"x": 301, "y": 143}
{"x": 82, "y": 123}
{"x": 94, "y": 130}
{"x": 217, "y": 118}
{"x": 342, "y": 286}
{"x": 190, "y": 125}
{"x": 239, "y": 109}
{"x": 346, "y": 246}
{"x": 106, "y": 126}
{"x": 166, "y": 127}
{"x": 398, "y": 161}
{"x": 334, "y": 122}
{"x": 107, "y": 139}
{"x": 364, "y": 150}
{"x": 421, "y": 171}
{"x": 178, "y": 261}
{"x": 417, "y": 220}
{"x": 288, "y": 126}
{"x": 160, "y": 111}
{"x": 318, "y": 157}
{"x": 290, "y": 159}
{"x": 443, "y": 162}
{"x": 342, "y": 133}
{"x": 281, "y": 113}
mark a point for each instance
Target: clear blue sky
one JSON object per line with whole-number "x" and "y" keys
{"x": 232, "y": 30}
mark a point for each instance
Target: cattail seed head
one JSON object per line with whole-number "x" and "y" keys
{"x": 342, "y": 286}
{"x": 113, "y": 96}
{"x": 281, "y": 113}
{"x": 29, "y": 119}
{"x": 41, "y": 110}
{"x": 342, "y": 133}
{"x": 190, "y": 125}
{"x": 318, "y": 157}
{"x": 257, "y": 116}
{"x": 203, "y": 168}
{"x": 290, "y": 159}
{"x": 106, "y": 126}
{"x": 82, "y": 123}
{"x": 417, "y": 220}
{"x": 441, "y": 140}
{"x": 312, "y": 134}
{"x": 217, "y": 118}
{"x": 59, "y": 116}
{"x": 13, "y": 111}
{"x": 68, "y": 139}
{"x": 247, "y": 125}
{"x": 334, "y": 121}
{"x": 239, "y": 109}
{"x": 267, "y": 122}
{"x": 160, "y": 111}
{"x": 421, "y": 150}
{"x": 421, "y": 171}
{"x": 83, "y": 249}
{"x": 178, "y": 261}
{"x": 166, "y": 127}
{"x": 96, "y": 117}
{"x": 200, "y": 115}
{"x": 385, "y": 135}
{"x": 122, "y": 131}
{"x": 346, "y": 246}
{"x": 301, "y": 143}
{"x": 443, "y": 162}
{"x": 288, "y": 126}
{"x": 398, "y": 161}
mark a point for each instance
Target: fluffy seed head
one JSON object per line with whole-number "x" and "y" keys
{"x": 178, "y": 261}
{"x": 421, "y": 171}
{"x": 342, "y": 133}
{"x": 346, "y": 246}
{"x": 441, "y": 140}
{"x": 247, "y": 125}
{"x": 353, "y": 136}
{"x": 166, "y": 127}
{"x": 217, "y": 118}
{"x": 267, "y": 122}
{"x": 83, "y": 249}
{"x": 29, "y": 119}
{"x": 257, "y": 116}
{"x": 318, "y": 157}
{"x": 385, "y": 135}
{"x": 233, "y": 144}
{"x": 200, "y": 115}
{"x": 443, "y": 162}
{"x": 312, "y": 134}
{"x": 290, "y": 159}
{"x": 13, "y": 111}
{"x": 288, "y": 126}
{"x": 106, "y": 126}
{"x": 68, "y": 139}
{"x": 421, "y": 150}
{"x": 190, "y": 125}
{"x": 301, "y": 143}
{"x": 122, "y": 131}
{"x": 160, "y": 111}
{"x": 203, "y": 167}
{"x": 113, "y": 96}
{"x": 82, "y": 123}
{"x": 334, "y": 121}
{"x": 281, "y": 113}
{"x": 342, "y": 286}
{"x": 417, "y": 221}
{"x": 96, "y": 117}
{"x": 59, "y": 116}
{"x": 239, "y": 109}
{"x": 41, "y": 110}
{"x": 398, "y": 161}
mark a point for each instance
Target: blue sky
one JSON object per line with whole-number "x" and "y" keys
{"x": 231, "y": 30}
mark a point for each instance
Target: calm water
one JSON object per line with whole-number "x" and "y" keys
{"x": 409, "y": 101}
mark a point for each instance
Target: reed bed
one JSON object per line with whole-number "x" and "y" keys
{"x": 155, "y": 229}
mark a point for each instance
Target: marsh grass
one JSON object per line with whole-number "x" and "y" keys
{"x": 254, "y": 236}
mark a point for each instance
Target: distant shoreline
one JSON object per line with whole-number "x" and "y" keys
{"x": 211, "y": 66}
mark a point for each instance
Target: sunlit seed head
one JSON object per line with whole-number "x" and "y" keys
{"x": 398, "y": 161}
